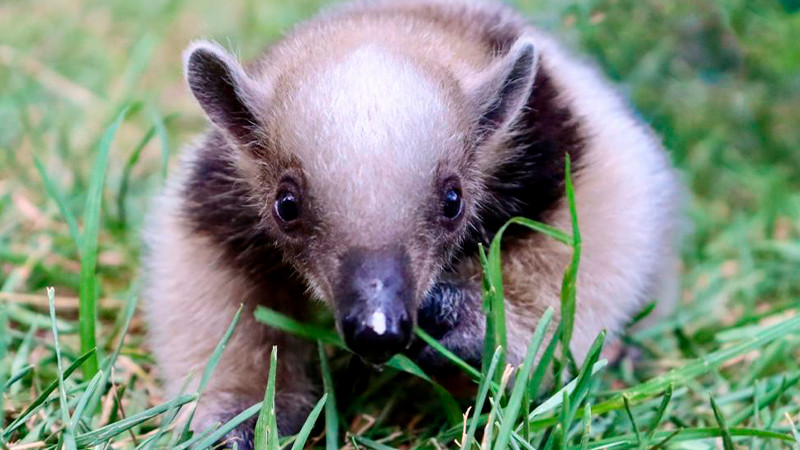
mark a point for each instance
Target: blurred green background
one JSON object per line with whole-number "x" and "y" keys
{"x": 719, "y": 80}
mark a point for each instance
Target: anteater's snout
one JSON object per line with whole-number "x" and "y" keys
{"x": 374, "y": 303}
{"x": 377, "y": 337}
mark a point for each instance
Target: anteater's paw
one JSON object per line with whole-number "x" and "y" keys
{"x": 451, "y": 314}
{"x": 292, "y": 410}
{"x": 243, "y": 436}
{"x": 440, "y": 311}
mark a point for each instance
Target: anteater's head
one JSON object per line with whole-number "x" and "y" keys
{"x": 368, "y": 165}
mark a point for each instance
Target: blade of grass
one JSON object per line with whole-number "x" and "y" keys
{"x": 212, "y": 363}
{"x": 495, "y": 298}
{"x": 166, "y": 421}
{"x": 122, "y": 193}
{"x": 449, "y": 404}
{"x": 399, "y": 362}
{"x": 634, "y": 425}
{"x": 197, "y": 437}
{"x": 526, "y": 406}
{"x": 662, "y": 408}
{"x": 16, "y": 377}
{"x": 642, "y": 314}
{"x": 760, "y": 402}
{"x": 161, "y": 127}
{"x": 130, "y": 310}
{"x": 483, "y": 391}
{"x": 24, "y": 316}
{"x": 727, "y": 440}
{"x": 564, "y": 421}
{"x": 226, "y": 428}
{"x": 587, "y": 426}
{"x": 794, "y": 429}
{"x": 701, "y": 365}
{"x": 555, "y": 436}
{"x": 302, "y": 436}
{"x": 584, "y": 380}
{"x": 496, "y": 408}
{"x": 369, "y": 443}
{"x": 158, "y": 127}
{"x": 108, "y": 364}
{"x": 69, "y": 438}
{"x": 103, "y": 434}
{"x": 569, "y": 284}
{"x": 469, "y": 370}
{"x": 4, "y": 344}
{"x": 637, "y": 393}
{"x": 555, "y": 400}
{"x": 489, "y": 340}
{"x": 663, "y": 442}
{"x": 520, "y": 384}
{"x": 285, "y": 323}
{"x": 265, "y": 437}
{"x": 331, "y": 413}
{"x": 543, "y": 228}
{"x": 544, "y": 363}
{"x": 689, "y": 434}
{"x": 88, "y": 393}
{"x": 138, "y": 57}
{"x": 42, "y": 398}
{"x": 772, "y": 354}
{"x": 61, "y": 203}
{"x": 88, "y": 291}
{"x": 582, "y": 384}
{"x": 24, "y": 350}
{"x": 521, "y": 441}
{"x": 754, "y": 443}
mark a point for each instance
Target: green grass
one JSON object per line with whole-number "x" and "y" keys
{"x": 93, "y": 107}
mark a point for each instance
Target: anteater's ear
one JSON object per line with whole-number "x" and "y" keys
{"x": 503, "y": 91}
{"x": 230, "y": 98}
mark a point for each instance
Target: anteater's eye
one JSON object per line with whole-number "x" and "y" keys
{"x": 287, "y": 207}
{"x": 452, "y": 203}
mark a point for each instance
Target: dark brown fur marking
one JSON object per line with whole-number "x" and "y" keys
{"x": 531, "y": 182}
{"x": 219, "y": 204}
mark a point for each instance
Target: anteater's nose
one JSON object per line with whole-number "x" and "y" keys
{"x": 377, "y": 337}
{"x": 374, "y": 302}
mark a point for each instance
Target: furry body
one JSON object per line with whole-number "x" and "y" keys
{"x": 370, "y": 105}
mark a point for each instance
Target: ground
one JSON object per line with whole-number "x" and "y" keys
{"x": 718, "y": 80}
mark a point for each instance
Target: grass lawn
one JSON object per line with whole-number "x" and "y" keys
{"x": 93, "y": 111}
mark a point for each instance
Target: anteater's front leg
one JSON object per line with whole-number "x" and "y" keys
{"x": 451, "y": 313}
{"x": 192, "y": 300}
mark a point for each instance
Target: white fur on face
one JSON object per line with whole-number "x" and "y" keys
{"x": 377, "y": 321}
{"x": 368, "y": 130}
